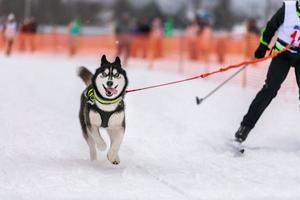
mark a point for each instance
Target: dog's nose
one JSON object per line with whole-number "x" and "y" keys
{"x": 109, "y": 83}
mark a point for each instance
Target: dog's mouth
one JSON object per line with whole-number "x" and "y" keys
{"x": 110, "y": 91}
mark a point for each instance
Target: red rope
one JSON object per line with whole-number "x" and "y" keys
{"x": 221, "y": 70}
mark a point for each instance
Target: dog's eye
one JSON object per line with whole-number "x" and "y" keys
{"x": 116, "y": 75}
{"x": 103, "y": 74}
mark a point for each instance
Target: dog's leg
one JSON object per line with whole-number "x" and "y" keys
{"x": 95, "y": 133}
{"x": 95, "y": 120}
{"x": 92, "y": 147}
{"x": 116, "y": 137}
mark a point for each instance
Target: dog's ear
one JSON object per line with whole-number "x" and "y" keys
{"x": 103, "y": 59}
{"x": 118, "y": 61}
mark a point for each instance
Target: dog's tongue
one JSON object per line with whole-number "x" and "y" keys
{"x": 112, "y": 90}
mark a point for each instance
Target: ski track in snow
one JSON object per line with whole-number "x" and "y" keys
{"x": 172, "y": 149}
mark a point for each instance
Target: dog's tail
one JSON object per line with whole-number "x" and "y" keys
{"x": 85, "y": 75}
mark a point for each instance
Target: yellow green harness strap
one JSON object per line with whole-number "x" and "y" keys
{"x": 93, "y": 97}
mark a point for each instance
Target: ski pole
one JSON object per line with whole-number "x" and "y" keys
{"x": 200, "y": 100}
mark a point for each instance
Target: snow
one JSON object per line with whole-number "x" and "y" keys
{"x": 172, "y": 149}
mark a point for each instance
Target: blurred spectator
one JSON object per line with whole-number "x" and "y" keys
{"x": 251, "y": 41}
{"x": 252, "y": 26}
{"x": 23, "y": 34}
{"x": 143, "y": 31}
{"x": 221, "y": 46}
{"x": 169, "y": 27}
{"x": 191, "y": 34}
{"x": 55, "y": 38}
{"x": 205, "y": 40}
{"x": 74, "y": 32}
{"x": 10, "y": 32}
{"x": 32, "y": 30}
{"x": 251, "y": 37}
{"x": 123, "y": 32}
{"x": 157, "y": 35}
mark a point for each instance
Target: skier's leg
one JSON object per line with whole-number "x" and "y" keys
{"x": 277, "y": 73}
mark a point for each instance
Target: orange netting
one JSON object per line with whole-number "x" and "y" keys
{"x": 181, "y": 50}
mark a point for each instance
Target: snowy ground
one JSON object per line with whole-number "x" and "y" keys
{"x": 172, "y": 148}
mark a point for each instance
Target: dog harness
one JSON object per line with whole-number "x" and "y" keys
{"x": 92, "y": 98}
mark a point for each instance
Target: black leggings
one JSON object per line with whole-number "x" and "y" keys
{"x": 277, "y": 73}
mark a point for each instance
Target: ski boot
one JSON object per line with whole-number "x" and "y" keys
{"x": 240, "y": 136}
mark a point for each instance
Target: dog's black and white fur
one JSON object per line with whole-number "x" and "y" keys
{"x": 102, "y": 105}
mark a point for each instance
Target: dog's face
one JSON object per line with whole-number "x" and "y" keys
{"x": 110, "y": 79}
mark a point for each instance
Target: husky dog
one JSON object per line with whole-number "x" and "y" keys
{"x": 102, "y": 105}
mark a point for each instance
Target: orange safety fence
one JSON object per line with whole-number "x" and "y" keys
{"x": 211, "y": 52}
{"x": 142, "y": 46}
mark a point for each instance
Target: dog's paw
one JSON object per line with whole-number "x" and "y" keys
{"x": 101, "y": 146}
{"x": 115, "y": 160}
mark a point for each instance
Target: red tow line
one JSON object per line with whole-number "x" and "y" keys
{"x": 220, "y": 70}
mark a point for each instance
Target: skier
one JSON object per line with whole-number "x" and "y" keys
{"x": 74, "y": 33}
{"x": 123, "y": 32}
{"x": 286, "y": 22}
{"x": 10, "y": 32}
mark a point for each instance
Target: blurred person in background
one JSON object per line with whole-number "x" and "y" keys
{"x": 123, "y": 33}
{"x": 251, "y": 37}
{"x": 221, "y": 46}
{"x": 74, "y": 33}
{"x": 191, "y": 34}
{"x": 143, "y": 37}
{"x": 157, "y": 35}
{"x": 2, "y": 20}
{"x": 32, "y": 30}
{"x": 55, "y": 38}
{"x": 23, "y": 34}
{"x": 10, "y": 33}
{"x": 205, "y": 40}
{"x": 286, "y": 23}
